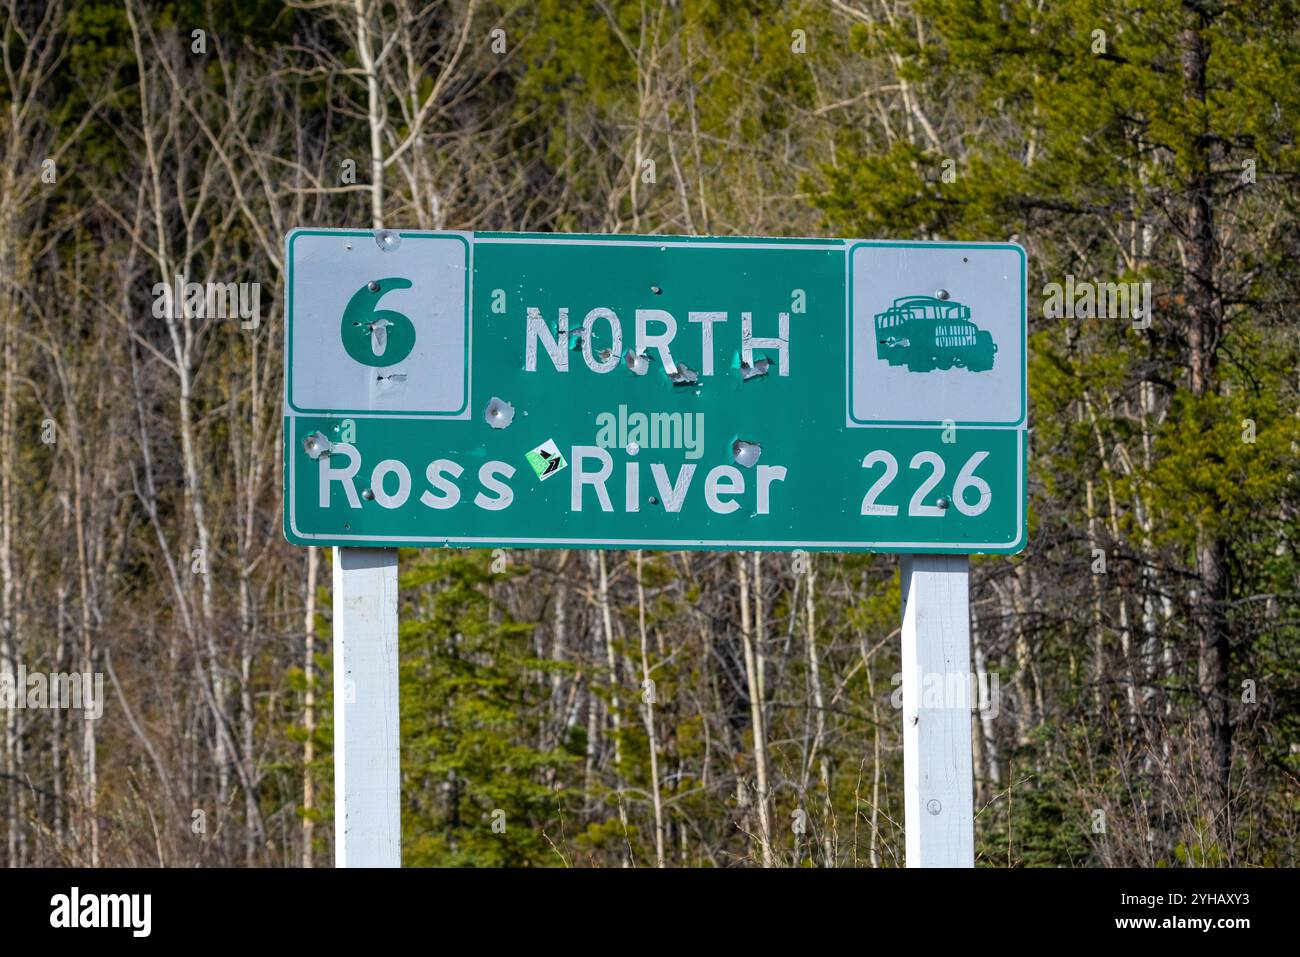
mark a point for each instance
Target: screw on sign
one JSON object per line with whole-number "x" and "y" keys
{"x": 518, "y": 390}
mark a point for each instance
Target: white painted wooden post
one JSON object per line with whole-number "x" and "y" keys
{"x": 367, "y": 774}
{"x": 939, "y": 808}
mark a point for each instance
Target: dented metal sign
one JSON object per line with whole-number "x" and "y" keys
{"x": 499, "y": 389}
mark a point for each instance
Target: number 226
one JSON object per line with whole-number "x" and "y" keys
{"x": 966, "y": 479}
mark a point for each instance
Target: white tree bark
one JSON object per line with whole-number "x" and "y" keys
{"x": 755, "y": 690}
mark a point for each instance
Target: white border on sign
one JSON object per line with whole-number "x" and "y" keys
{"x": 468, "y": 239}
{"x": 682, "y": 242}
{"x": 849, "y": 421}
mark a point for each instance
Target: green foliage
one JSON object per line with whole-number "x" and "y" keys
{"x": 1068, "y": 125}
{"x": 473, "y": 761}
{"x": 1072, "y": 127}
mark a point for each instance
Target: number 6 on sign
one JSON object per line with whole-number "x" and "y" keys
{"x": 966, "y": 479}
{"x": 373, "y": 336}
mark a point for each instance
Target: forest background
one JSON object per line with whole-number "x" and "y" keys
{"x": 1144, "y": 645}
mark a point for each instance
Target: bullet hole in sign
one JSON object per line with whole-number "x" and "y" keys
{"x": 746, "y": 453}
{"x": 499, "y": 413}
{"x": 387, "y": 240}
{"x": 316, "y": 445}
{"x": 637, "y": 362}
{"x": 390, "y": 382}
{"x": 683, "y": 375}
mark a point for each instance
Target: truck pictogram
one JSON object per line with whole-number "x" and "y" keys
{"x": 925, "y": 333}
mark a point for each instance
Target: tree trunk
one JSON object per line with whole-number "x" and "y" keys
{"x": 817, "y": 752}
{"x": 755, "y": 691}
{"x": 309, "y": 707}
{"x": 615, "y": 704}
{"x": 1203, "y": 332}
{"x": 648, "y": 695}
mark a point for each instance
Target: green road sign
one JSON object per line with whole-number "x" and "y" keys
{"x": 519, "y": 390}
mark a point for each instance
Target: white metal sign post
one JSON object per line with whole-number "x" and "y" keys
{"x": 367, "y": 766}
{"x": 937, "y": 772}
{"x": 505, "y": 390}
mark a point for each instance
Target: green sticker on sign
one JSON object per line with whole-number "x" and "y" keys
{"x": 546, "y": 460}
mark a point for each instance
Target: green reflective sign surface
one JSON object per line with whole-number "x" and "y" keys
{"x": 654, "y": 392}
